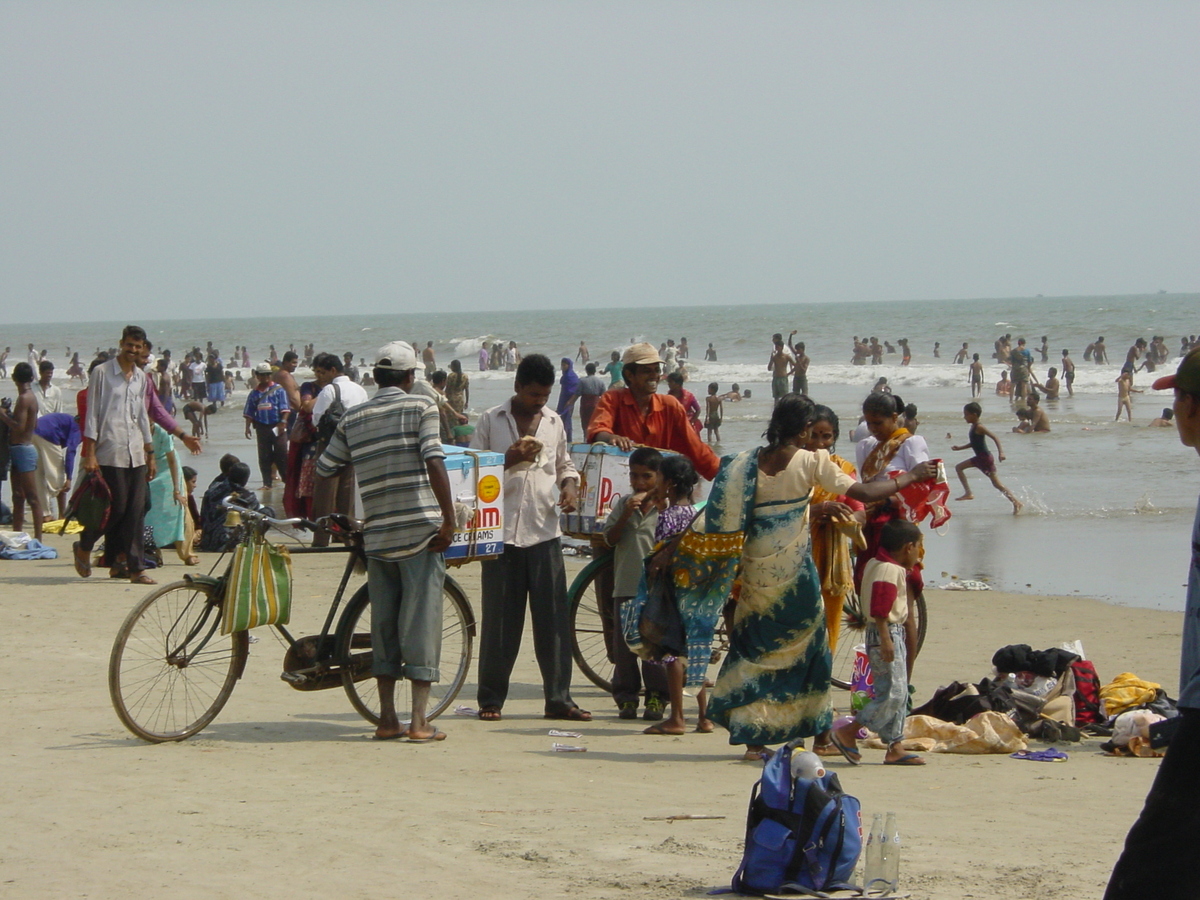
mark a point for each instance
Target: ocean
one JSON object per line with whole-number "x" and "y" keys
{"x": 1108, "y": 506}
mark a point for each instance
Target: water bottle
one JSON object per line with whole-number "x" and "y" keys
{"x": 873, "y": 877}
{"x": 890, "y": 845}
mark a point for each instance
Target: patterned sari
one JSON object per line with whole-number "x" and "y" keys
{"x": 774, "y": 683}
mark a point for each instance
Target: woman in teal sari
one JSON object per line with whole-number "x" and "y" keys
{"x": 774, "y": 684}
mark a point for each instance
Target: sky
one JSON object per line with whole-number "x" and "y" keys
{"x": 205, "y": 159}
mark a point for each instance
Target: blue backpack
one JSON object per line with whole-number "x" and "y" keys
{"x": 802, "y": 837}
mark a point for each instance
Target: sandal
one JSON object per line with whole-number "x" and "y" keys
{"x": 192, "y": 561}
{"x": 574, "y": 714}
{"x": 490, "y": 714}
{"x": 83, "y": 565}
{"x": 141, "y": 578}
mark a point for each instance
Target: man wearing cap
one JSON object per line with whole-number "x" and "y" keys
{"x": 637, "y": 414}
{"x": 539, "y": 480}
{"x": 266, "y": 410}
{"x": 1162, "y": 840}
{"x": 392, "y": 442}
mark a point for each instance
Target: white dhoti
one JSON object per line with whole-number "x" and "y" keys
{"x": 51, "y": 475}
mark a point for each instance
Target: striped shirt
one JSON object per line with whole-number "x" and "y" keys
{"x": 388, "y": 439}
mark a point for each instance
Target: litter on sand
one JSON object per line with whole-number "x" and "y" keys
{"x": 554, "y": 732}
{"x": 567, "y": 748}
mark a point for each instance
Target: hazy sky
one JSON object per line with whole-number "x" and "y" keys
{"x": 179, "y": 160}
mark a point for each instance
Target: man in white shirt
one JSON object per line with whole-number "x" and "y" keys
{"x": 49, "y": 396}
{"x": 539, "y": 480}
{"x": 334, "y": 494}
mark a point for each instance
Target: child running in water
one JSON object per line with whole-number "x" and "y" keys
{"x": 982, "y": 460}
{"x": 677, "y": 480}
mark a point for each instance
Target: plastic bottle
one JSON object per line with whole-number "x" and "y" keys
{"x": 890, "y": 845}
{"x": 873, "y": 877}
{"x": 807, "y": 765}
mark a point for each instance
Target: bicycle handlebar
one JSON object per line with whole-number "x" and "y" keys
{"x": 306, "y": 524}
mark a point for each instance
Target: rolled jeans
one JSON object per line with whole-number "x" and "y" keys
{"x": 534, "y": 575}
{"x": 1162, "y": 840}
{"x": 406, "y": 616}
{"x": 272, "y": 450}
{"x": 885, "y": 713}
{"x": 126, "y": 526}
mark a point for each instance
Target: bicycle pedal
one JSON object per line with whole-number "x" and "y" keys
{"x": 293, "y": 677}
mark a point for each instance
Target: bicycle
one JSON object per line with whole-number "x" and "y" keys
{"x": 592, "y": 623}
{"x": 170, "y": 672}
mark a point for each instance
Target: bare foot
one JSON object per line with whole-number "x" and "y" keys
{"x": 704, "y": 726}
{"x": 666, "y": 728}
{"x": 966, "y": 497}
{"x": 390, "y": 732}
{"x": 1017, "y": 506}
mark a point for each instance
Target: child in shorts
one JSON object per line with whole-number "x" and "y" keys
{"x": 630, "y": 533}
{"x": 890, "y": 632}
{"x": 982, "y": 460}
{"x": 713, "y": 413}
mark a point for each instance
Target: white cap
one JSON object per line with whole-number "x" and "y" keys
{"x": 398, "y": 356}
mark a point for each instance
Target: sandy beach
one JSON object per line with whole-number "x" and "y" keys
{"x": 285, "y": 795}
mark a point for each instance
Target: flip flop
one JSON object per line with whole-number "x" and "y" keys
{"x": 83, "y": 565}
{"x": 659, "y": 730}
{"x": 389, "y": 737}
{"x": 490, "y": 714}
{"x": 851, "y": 757}
{"x": 436, "y": 736}
{"x": 908, "y": 759}
{"x": 574, "y": 714}
{"x": 141, "y": 579}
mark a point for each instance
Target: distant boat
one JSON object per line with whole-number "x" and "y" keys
{"x": 1162, "y": 291}
{"x": 1039, "y": 295}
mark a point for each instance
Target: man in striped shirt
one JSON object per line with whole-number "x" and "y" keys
{"x": 392, "y": 442}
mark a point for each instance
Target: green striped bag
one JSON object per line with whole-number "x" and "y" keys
{"x": 259, "y": 590}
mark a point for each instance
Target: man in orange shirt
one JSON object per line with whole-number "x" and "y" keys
{"x": 637, "y": 414}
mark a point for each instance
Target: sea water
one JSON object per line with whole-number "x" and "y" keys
{"x": 1108, "y": 505}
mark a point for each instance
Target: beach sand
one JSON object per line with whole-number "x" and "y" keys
{"x": 285, "y": 796}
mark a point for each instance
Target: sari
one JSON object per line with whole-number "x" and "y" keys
{"x": 831, "y": 543}
{"x": 456, "y": 390}
{"x": 875, "y": 464}
{"x": 774, "y": 683}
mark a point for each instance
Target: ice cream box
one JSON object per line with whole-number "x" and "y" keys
{"x": 477, "y": 487}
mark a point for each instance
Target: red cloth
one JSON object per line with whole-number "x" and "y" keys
{"x": 665, "y": 427}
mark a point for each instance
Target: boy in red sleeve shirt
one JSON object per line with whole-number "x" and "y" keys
{"x": 889, "y": 633}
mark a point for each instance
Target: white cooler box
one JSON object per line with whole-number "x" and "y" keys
{"x": 603, "y": 477}
{"x": 477, "y": 486}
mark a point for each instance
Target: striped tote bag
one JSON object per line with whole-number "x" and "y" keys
{"x": 259, "y": 590}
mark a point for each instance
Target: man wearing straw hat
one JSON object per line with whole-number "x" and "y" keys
{"x": 638, "y": 414}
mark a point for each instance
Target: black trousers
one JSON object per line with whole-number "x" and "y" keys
{"x": 126, "y": 517}
{"x": 630, "y": 672}
{"x": 534, "y": 575}
{"x": 272, "y": 450}
{"x": 1155, "y": 862}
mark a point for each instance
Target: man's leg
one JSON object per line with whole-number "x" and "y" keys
{"x": 1154, "y": 862}
{"x": 551, "y": 620}
{"x": 504, "y": 588}
{"x": 423, "y": 577}
{"x": 265, "y": 439}
{"x": 134, "y": 531}
{"x": 383, "y": 586}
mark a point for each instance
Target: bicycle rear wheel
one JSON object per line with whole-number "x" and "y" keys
{"x": 170, "y": 671}
{"x": 592, "y": 623}
{"x": 854, "y": 624}
{"x": 354, "y": 654}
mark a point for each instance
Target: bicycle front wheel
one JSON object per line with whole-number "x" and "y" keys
{"x": 170, "y": 671}
{"x": 355, "y": 657}
{"x": 854, "y": 624}
{"x": 592, "y": 622}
